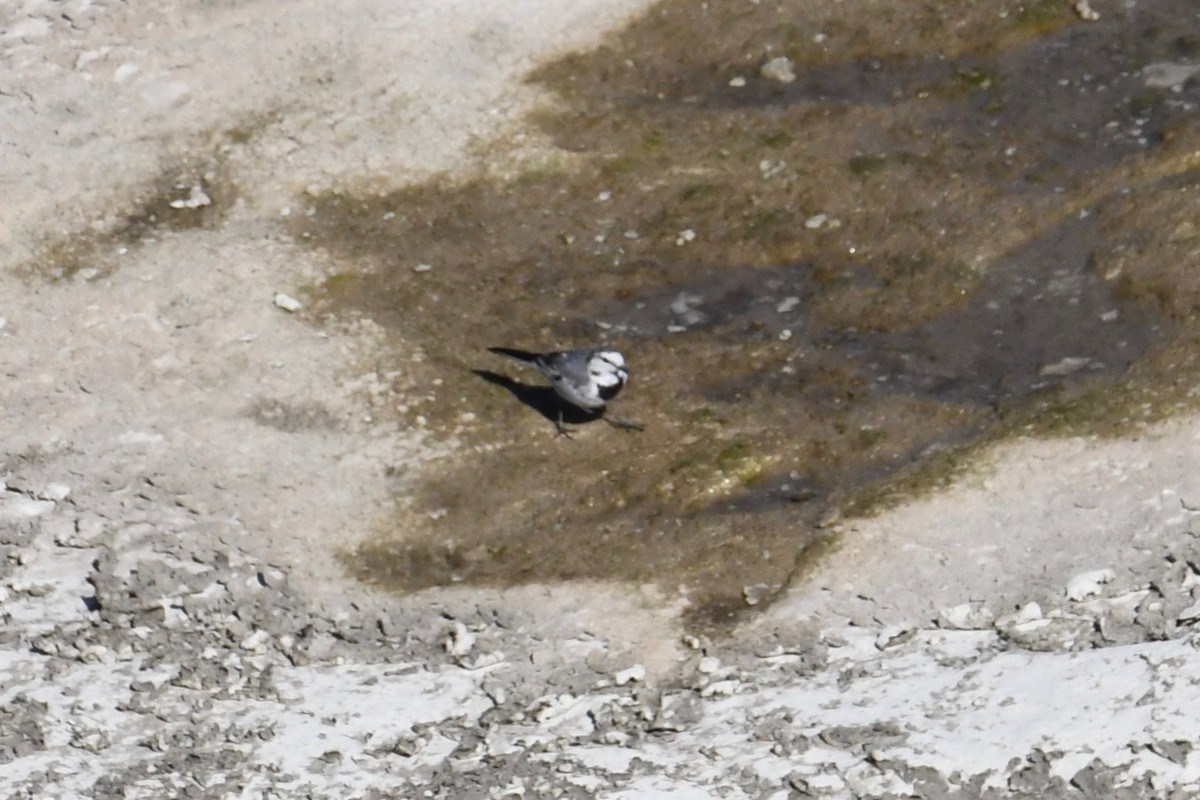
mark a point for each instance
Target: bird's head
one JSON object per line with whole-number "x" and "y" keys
{"x": 607, "y": 368}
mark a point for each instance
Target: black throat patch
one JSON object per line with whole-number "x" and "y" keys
{"x": 609, "y": 392}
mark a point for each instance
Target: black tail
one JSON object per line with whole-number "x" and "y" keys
{"x": 519, "y": 355}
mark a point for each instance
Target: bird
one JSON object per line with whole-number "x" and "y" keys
{"x": 586, "y": 377}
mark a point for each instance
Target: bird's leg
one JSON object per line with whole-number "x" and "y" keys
{"x": 558, "y": 423}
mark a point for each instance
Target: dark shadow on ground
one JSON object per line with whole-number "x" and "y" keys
{"x": 541, "y": 399}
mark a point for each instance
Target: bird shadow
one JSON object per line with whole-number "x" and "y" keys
{"x": 541, "y": 399}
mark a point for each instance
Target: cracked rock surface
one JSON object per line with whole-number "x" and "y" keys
{"x": 180, "y": 664}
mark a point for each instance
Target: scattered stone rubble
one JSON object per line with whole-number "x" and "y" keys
{"x": 143, "y": 653}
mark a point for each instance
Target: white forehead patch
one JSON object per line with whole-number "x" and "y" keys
{"x": 612, "y": 357}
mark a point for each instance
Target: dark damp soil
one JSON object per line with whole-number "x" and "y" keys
{"x": 195, "y": 193}
{"x": 961, "y": 221}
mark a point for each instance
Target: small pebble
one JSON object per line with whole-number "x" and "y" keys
{"x": 287, "y": 303}
{"x": 1085, "y": 11}
{"x": 197, "y": 198}
{"x": 770, "y": 169}
{"x": 779, "y": 69}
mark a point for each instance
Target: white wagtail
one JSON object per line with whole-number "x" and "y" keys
{"x": 586, "y": 378}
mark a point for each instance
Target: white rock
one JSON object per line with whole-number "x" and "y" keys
{"x": 55, "y": 492}
{"x": 756, "y": 593}
{"x": 1085, "y": 11}
{"x": 197, "y": 198}
{"x": 256, "y": 641}
{"x": 459, "y": 641}
{"x": 737, "y": 81}
{"x": 1028, "y": 613}
{"x": 1190, "y": 614}
{"x": 966, "y": 617}
{"x": 89, "y": 740}
{"x": 779, "y": 69}
{"x": 288, "y": 303}
{"x": 819, "y": 785}
{"x": 1088, "y": 584}
{"x": 94, "y": 653}
{"x": 894, "y": 635}
{"x": 1066, "y": 366}
{"x": 483, "y": 661}
{"x": 636, "y": 673}
{"x": 770, "y": 169}
{"x": 721, "y": 688}
{"x": 423, "y": 268}
{"x": 551, "y": 708}
{"x": 709, "y": 664}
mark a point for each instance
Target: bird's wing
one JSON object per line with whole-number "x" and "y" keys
{"x": 554, "y": 365}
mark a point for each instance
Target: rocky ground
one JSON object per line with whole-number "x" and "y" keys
{"x": 148, "y": 653}
{"x": 185, "y": 454}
